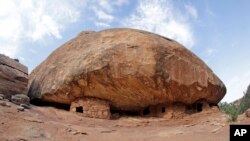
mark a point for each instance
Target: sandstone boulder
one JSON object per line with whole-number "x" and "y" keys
{"x": 20, "y": 99}
{"x": 130, "y": 69}
{"x": 13, "y": 77}
{"x": 2, "y": 96}
{"x": 4, "y": 103}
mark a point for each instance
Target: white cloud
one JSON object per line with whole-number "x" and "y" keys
{"x": 45, "y": 26}
{"x": 9, "y": 49}
{"x": 104, "y": 5}
{"x": 236, "y": 85}
{"x": 108, "y": 6}
{"x": 192, "y": 11}
{"x": 103, "y": 15}
{"x": 105, "y": 10}
{"x": 100, "y": 24}
{"x": 161, "y": 17}
{"x": 33, "y": 20}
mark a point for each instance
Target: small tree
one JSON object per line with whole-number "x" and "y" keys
{"x": 234, "y": 110}
{"x": 230, "y": 109}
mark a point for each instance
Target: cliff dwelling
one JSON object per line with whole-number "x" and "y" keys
{"x": 98, "y": 108}
{"x": 91, "y": 107}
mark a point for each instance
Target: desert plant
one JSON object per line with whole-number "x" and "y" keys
{"x": 233, "y": 109}
{"x": 230, "y": 109}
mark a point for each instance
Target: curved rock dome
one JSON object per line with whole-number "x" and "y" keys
{"x": 130, "y": 69}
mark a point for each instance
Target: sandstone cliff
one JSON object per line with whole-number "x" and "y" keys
{"x": 13, "y": 77}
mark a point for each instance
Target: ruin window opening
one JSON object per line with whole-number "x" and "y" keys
{"x": 199, "y": 107}
{"x": 163, "y": 109}
{"x": 146, "y": 111}
{"x": 79, "y": 109}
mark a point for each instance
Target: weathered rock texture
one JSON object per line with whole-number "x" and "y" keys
{"x": 13, "y": 77}
{"x": 131, "y": 69}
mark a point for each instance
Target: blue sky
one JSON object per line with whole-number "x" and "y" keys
{"x": 217, "y": 31}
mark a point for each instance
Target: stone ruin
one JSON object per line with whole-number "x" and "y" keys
{"x": 97, "y": 108}
{"x": 91, "y": 107}
{"x": 126, "y": 71}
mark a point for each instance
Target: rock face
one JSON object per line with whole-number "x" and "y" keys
{"x": 130, "y": 69}
{"x": 13, "y": 77}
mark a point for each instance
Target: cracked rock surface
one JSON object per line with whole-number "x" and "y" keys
{"x": 131, "y": 69}
{"x": 13, "y": 77}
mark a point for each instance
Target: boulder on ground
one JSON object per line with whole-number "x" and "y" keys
{"x": 130, "y": 69}
{"x": 2, "y": 96}
{"x": 13, "y": 77}
{"x": 20, "y": 99}
{"x": 4, "y": 103}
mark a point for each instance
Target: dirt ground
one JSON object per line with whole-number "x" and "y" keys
{"x": 51, "y": 124}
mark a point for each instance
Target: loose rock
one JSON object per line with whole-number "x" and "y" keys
{"x": 20, "y": 99}
{"x": 25, "y": 106}
{"x": 20, "y": 108}
{"x": 2, "y": 96}
{"x": 3, "y": 103}
{"x": 7, "y": 100}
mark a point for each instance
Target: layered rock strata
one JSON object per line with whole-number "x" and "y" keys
{"x": 13, "y": 77}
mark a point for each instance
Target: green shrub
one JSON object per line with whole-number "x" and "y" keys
{"x": 233, "y": 110}
{"x": 230, "y": 109}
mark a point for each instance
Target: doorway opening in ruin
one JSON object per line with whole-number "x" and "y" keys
{"x": 79, "y": 109}
{"x": 199, "y": 107}
{"x": 146, "y": 111}
{"x": 163, "y": 109}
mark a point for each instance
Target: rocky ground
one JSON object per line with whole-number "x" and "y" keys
{"x": 51, "y": 124}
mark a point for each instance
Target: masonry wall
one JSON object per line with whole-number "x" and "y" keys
{"x": 177, "y": 110}
{"x": 168, "y": 111}
{"x": 91, "y": 107}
